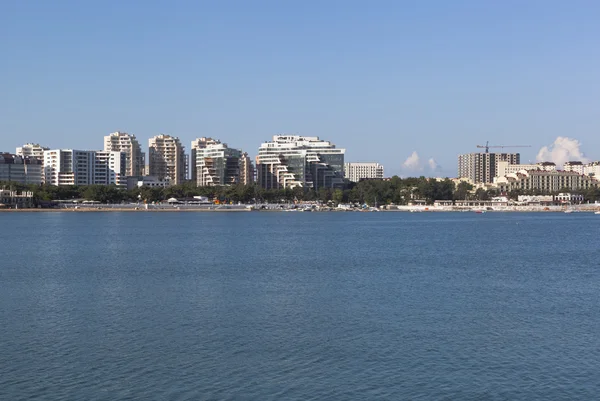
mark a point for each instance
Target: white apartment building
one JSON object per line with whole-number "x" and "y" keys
{"x": 19, "y": 169}
{"x": 32, "y": 150}
{"x": 290, "y": 161}
{"x": 358, "y": 171}
{"x": 482, "y": 167}
{"x": 135, "y": 159}
{"x": 84, "y": 167}
{"x": 167, "y": 159}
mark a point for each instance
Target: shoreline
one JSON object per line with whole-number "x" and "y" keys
{"x": 237, "y": 210}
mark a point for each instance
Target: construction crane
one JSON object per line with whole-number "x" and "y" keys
{"x": 487, "y": 146}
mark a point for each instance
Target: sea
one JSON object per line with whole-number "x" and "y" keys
{"x": 299, "y": 306}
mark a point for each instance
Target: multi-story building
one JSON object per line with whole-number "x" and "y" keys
{"x": 19, "y": 169}
{"x": 290, "y": 161}
{"x": 575, "y": 166}
{"x": 246, "y": 170}
{"x": 15, "y": 199}
{"x": 146, "y": 181}
{"x": 135, "y": 159}
{"x": 358, "y": 171}
{"x": 167, "y": 159}
{"x": 592, "y": 169}
{"x": 84, "y": 167}
{"x": 110, "y": 168}
{"x": 504, "y": 167}
{"x": 32, "y": 150}
{"x": 214, "y": 163}
{"x": 545, "y": 181}
{"x": 482, "y": 167}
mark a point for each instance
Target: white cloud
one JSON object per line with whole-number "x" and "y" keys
{"x": 413, "y": 162}
{"x": 433, "y": 165}
{"x": 562, "y": 150}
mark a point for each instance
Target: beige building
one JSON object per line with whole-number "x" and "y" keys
{"x": 32, "y": 150}
{"x": 545, "y": 181}
{"x": 135, "y": 159}
{"x": 167, "y": 159}
{"x": 505, "y": 167}
{"x": 246, "y": 170}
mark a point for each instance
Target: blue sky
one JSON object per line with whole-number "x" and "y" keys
{"x": 382, "y": 79}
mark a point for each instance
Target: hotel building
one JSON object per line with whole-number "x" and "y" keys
{"x": 358, "y": 171}
{"x": 545, "y": 181}
{"x": 214, "y": 163}
{"x": 290, "y": 161}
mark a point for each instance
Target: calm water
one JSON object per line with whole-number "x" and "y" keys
{"x": 299, "y": 306}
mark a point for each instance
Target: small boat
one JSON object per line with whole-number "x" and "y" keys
{"x": 479, "y": 211}
{"x": 598, "y": 212}
{"x": 568, "y": 211}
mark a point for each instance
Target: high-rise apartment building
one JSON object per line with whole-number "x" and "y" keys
{"x": 290, "y": 161}
{"x": 19, "y": 169}
{"x": 84, "y": 167}
{"x": 214, "y": 163}
{"x": 167, "y": 159}
{"x": 32, "y": 150}
{"x": 246, "y": 170}
{"x": 358, "y": 171}
{"x": 135, "y": 159}
{"x": 482, "y": 167}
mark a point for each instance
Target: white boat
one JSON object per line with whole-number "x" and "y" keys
{"x": 598, "y": 212}
{"x": 568, "y": 211}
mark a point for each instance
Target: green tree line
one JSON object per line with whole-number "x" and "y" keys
{"x": 397, "y": 190}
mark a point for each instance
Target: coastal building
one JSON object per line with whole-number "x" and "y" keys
{"x": 246, "y": 170}
{"x": 167, "y": 159}
{"x": 358, "y": 171}
{"x": 32, "y": 150}
{"x": 135, "y": 159}
{"x": 535, "y": 200}
{"x": 592, "y": 169}
{"x": 20, "y": 169}
{"x": 290, "y": 161}
{"x": 214, "y": 163}
{"x": 146, "y": 181}
{"x": 575, "y": 166}
{"x": 84, "y": 167}
{"x": 482, "y": 167}
{"x": 16, "y": 199}
{"x": 568, "y": 198}
{"x": 545, "y": 181}
{"x": 505, "y": 167}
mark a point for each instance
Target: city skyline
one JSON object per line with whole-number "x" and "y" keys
{"x": 429, "y": 80}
